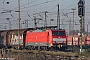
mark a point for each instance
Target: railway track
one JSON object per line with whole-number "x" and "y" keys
{"x": 45, "y": 55}
{"x": 41, "y": 55}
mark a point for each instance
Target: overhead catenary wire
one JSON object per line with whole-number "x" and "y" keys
{"x": 41, "y": 3}
{"x": 27, "y": 4}
{"x": 22, "y": 5}
{"x": 38, "y": 4}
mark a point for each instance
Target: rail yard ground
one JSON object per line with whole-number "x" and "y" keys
{"x": 43, "y": 55}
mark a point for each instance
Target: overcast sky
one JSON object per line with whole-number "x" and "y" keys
{"x": 29, "y": 8}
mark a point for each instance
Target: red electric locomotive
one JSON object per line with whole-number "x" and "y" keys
{"x": 48, "y": 38}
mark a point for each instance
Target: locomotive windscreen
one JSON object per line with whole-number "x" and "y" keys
{"x": 58, "y": 33}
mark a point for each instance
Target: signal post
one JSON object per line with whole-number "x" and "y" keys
{"x": 81, "y": 13}
{"x": 80, "y": 34}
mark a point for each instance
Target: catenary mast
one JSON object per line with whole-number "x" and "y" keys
{"x": 58, "y": 18}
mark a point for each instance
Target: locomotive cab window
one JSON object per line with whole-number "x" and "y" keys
{"x": 58, "y": 33}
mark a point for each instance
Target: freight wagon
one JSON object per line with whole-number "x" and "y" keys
{"x": 45, "y": 39}
{"x": 75, "y": 40}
